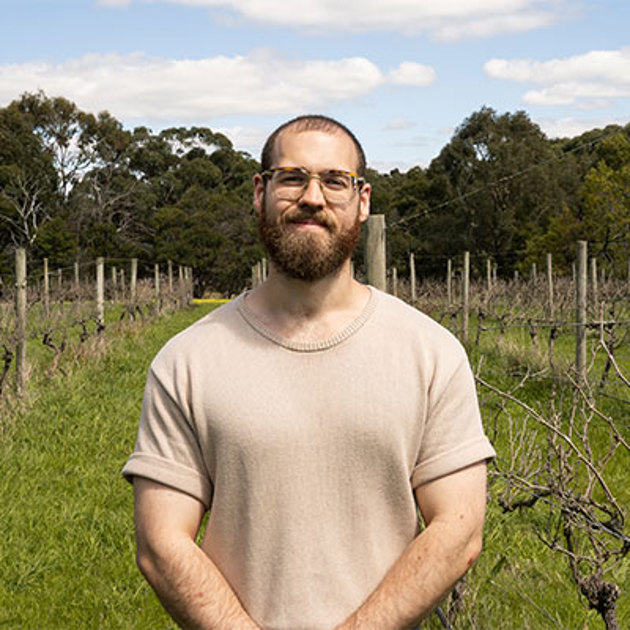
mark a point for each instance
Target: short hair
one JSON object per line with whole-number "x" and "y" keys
{"x": 311, "y": 122}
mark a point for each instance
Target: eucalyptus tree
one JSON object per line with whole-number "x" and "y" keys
{"x": 595, "y": 174}
{"x": 493, "y": 186}
{"x": 70, "y": 136}
{"x": 28, "y": 180}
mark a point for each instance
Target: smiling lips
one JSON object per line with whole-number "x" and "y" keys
{"x": 308, "y": 222}
{"x": 318, "y": 219}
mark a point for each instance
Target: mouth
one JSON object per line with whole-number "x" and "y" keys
{"x": 310, "y": 221}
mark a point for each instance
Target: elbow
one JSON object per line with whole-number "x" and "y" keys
{"x": 473, "y": 549}
{"x": 145, "y": 563}
{"x": 148, "y": 563}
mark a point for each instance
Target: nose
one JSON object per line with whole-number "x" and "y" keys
{"x": 313, "y": 194}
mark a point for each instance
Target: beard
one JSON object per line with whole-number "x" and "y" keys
{"x": 306, "y": 255}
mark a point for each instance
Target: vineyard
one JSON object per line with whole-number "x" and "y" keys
{"x": 560, "y": 423}
{"x": 57, "y": 315}
{"x": 557, "y": 538}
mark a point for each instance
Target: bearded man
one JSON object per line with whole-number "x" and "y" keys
{"x": 311, "y": 417}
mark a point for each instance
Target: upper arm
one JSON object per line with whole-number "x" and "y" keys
{"x": 458, "y": 498}
{"x": 162, "y": 512}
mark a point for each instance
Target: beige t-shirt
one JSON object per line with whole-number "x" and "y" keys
{"x": 307, "y": 454}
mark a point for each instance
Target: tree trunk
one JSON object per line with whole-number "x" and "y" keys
{"x": 602, "y": 596}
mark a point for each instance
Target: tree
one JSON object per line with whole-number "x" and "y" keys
{"x": 606, "y": 213}
{"x": 65, "y": 132}
{"x": 28, "y": 180}
{"x": 215, "y": 233}
{"x": 494, "y": 186}
{"x": 402, "y": 198}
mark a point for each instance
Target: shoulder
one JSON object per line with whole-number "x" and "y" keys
{"x": 411, "y": 325}
{"x": 200, "y": 338}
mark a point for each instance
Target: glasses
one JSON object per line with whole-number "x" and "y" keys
{"x": 289, "y": 183}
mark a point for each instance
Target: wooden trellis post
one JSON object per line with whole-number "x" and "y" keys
{"x": 46, "y": 289}
{"x": 449, "y": 281}
{"x": 465, "y": 296}
{"x": 133, "y": 281}
{"x": 20, "y": 321}
{"x": 114, "y": 284}
{"x": 412, "y": 277}
{"x": 580, "y": 344}
{"x": 156, "y": 275}
{"x": 375, "y": 251}
{"x": 100, "y": 293}
{"x": 594, "y": 287}
{"x": 550, "y": 301}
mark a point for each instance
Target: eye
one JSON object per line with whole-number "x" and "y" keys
{"x": 336, "y": 181}
{"x": 290, "y": 178}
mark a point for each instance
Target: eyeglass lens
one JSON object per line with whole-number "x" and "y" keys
{"x": 291, "y": 183}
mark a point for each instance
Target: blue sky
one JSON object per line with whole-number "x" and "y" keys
{"x": 403, "y": 74}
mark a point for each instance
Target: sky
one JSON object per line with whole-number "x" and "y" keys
{"x": 402, "y": 74}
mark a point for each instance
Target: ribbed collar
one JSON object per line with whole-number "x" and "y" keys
{"x": 307, "y": 346}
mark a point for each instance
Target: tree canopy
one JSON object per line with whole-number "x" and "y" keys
{"x": 76, "y": 185}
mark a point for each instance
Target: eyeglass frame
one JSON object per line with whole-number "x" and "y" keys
{"x": 357, "y": 181}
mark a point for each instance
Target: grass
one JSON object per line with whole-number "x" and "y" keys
{"x": 67, "y": 551}
{"x": 519, "y": 582}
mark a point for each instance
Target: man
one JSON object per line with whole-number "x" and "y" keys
{"x": 311, "y": 417}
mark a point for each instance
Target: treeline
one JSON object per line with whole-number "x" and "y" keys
{"x": 76, "y": 185}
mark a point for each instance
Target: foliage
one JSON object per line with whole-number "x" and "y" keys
{"x": 499, "y": 189}
{"x": 498, "y": 177}
{"x": 28, "y": 180}
{"x": 606, "y": 215}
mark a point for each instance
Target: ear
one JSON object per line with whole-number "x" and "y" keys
{"x": 259, "y": 192}
{"x": 364, "y": 202}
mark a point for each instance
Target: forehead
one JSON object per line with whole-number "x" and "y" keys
{"x": 315, "y": 150}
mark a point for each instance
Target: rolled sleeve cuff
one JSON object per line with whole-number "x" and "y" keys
{"x": 170, "y": 474}
{"x": 464, "y": 455}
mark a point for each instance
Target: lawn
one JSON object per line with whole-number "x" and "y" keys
{"x": 67, "y": 551}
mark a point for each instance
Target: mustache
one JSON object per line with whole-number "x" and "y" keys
{"x": 321, "y": 217}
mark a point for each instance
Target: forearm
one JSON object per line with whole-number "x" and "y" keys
{"x": 192, "y": 589}
{"x": 418, "y": 581}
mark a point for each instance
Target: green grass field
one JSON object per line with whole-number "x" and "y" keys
{"x": 67, "y": 550}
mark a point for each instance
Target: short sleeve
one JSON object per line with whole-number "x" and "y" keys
{"x": 167, "y": 447}
{"x": 453, "y": 436}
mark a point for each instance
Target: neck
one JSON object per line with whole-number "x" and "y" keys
{"x": 292, "y": 307}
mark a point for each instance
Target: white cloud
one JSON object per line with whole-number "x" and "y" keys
{"x": 386, "y": 166}
{"x": 570, "y": 127}
{"x": 248, "y": 139}
{"x": 485, "y": 25}
{"x": 414, "y": 74}
{"x": 136, "y": 86}
{"x": 586, "y": 81}
{"x": 398, "y": 124}
{"x": 444, "y": 20}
